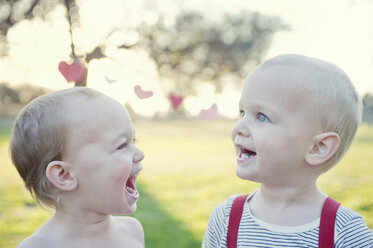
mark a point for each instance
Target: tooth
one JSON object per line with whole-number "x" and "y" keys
{"x": 245, "y": 155}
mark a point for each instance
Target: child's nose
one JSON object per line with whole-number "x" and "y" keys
{"x": 241, "y": 128}
{"x": 139, "y": 155}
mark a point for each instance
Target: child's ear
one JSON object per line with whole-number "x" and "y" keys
{"x": 58, "y": 174}
{"x": 324, "y": 147}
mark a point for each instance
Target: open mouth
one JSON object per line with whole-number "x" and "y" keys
{"x": 131, "y": 188}
{"x": 246, "y": 154}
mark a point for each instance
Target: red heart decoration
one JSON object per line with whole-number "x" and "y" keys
{"x": 209, "y": 114}
{"x": 141, "y": 93}
{"x": 176, "y": 101}
{"x": 74, "y": 72}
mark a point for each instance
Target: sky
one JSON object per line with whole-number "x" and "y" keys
{"x": 339, "y": 31}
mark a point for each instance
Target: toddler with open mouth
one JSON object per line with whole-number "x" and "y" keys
{"x": 75, "y": 151}
{"x": 299, "y": 116}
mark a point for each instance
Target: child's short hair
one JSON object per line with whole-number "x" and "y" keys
{"x": 39, "y": 137}
{"x": 332, "y": 90}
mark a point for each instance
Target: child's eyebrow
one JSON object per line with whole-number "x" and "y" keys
{"x": 126, "y": 134}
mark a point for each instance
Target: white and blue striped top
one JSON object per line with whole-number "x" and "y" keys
{"x": 350, "y": 231}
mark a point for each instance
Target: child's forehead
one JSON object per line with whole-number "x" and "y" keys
{"x": 280, "y": 73}
{"x": 278, "y": 79}
{"x": 93, "y": 107}
{"x": 97, "y": 116}
{"x": 278, "y": 86}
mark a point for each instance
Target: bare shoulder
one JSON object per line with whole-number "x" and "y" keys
{"x": 131, "y": 226}
{"x": 42, "y": 237}
{"x": 129, "y": 223}
{"x": 32, "y": 241}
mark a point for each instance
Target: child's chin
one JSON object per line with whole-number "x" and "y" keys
{"x": 126, "y": 210}
{"x": 243, "y": 174}
{"x": 131, "y": 209}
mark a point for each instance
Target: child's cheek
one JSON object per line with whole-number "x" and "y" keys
{"x": 121, "y": 174}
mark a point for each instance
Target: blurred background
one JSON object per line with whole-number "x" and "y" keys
{"x": 178, "y": 66}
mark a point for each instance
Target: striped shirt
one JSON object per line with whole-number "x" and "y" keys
{"x": 350, "y": 230}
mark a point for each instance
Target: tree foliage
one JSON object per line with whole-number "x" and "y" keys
{"x": 195, "y": 49}
{"x": 191, "y": 50}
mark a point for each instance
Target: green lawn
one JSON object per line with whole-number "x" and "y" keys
{"x": 188, "y": 170}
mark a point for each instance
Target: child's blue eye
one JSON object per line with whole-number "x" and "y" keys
{"x": 262, "y": 117}
{"x": 242, "y": 113}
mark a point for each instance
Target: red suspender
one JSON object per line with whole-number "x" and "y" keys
{"x": 327, "y": 223}
{"x": 234, "y": 220}
{"x": 326, "y": 230}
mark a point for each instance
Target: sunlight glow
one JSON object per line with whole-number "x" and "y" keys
{"x": 340, "y": 31}
{"x": 204, "y": 99}
{"x": 117, "y": 78}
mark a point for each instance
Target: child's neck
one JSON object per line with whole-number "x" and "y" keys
{"x": 82, "y": 224}
{"x": 73, "y": 229}
{"x": 77, "y": 229}
{"x": 289, "y": 195}
{"x": 287, "y": 206}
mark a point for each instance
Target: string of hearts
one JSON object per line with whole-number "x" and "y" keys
{"x": 76, "y": 71}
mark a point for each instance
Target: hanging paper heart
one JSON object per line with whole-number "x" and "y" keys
{"x": 175, "y": 101}
{"x": 141, "y": 93}
{"x": 110, "y": 81}
{"x": 74, "y": 72}
{"x": 209, "y": 114}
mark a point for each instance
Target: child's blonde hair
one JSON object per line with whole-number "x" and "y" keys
{"x": 39, "y": 137}
{"x": 334, "y": 94}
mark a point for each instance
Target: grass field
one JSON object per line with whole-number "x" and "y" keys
{"x": 188, "y": 170}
